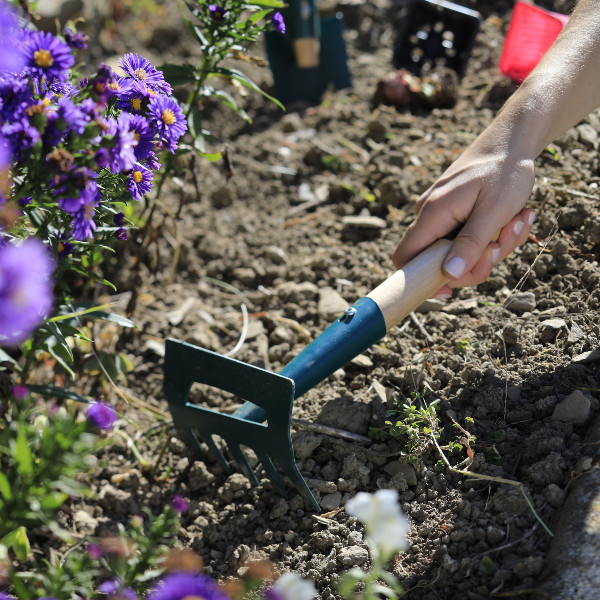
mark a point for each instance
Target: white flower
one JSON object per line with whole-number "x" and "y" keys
{"x": 290, "y": 586}
{"x": 385, "y": 525}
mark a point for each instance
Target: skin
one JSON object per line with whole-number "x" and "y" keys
{"x": 487, "y": 188}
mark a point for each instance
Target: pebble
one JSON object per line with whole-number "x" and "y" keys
{"x": 554, "y": 495}
{"x": 402, "y": 467}
{"x": 331, "y": 304}
{"x": 431, "y": 305}
{"x": 305, "y": 442}
{"x": 362, "y": 361}
{"x": 84, "y": 522}
{"x": 199, "y": 476}
{"x": 331, "y": 501}
{"x": 521, "y": 302}
{"x": 353, "y": 556}
{"x": 576, "y": 334}
{"x": 276, "y": 255}
{"x": 368, "y": 222}
{"x": 574, "y": 408}
{"x": 325, "y": 487}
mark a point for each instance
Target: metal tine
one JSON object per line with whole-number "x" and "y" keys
{"x": 213, "y": 448}
{"x": 271, "y": 472}
{"x": 240, "y": 459}
{"x": 291, "y": 470}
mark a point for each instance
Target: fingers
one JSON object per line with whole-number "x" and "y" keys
{"x": 511, "y": 236}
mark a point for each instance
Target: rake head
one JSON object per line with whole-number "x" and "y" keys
{"x": 271, "y": 441}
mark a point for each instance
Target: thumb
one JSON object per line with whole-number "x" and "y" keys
{"x": 469, "y": 245}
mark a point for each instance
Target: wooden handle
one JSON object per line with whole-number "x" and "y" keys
{"x": 410, "y": 286}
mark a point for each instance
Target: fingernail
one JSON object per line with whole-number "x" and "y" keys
{"x": 518, "y": 227}
{"x": 455, "y": 267}
{"x": 531, "y": 218}
{"x": 443, "y": 296}
{"x": 495, "y": 255}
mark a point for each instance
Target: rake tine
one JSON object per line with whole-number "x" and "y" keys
{"x": 213, "y": 448}
{"x": 240, "y": 459}
{"x": 271, "y": 472}
{"x": 291, "y": 470}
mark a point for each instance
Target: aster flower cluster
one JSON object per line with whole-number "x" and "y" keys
{"x": 99, "y": 142}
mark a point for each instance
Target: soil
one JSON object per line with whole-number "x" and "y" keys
{"x": 508, "y": 361}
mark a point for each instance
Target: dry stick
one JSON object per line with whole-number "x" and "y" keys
{"x": 243, "y": 334}
{"x": 332, "y": 431}
{"x": 421, "y": 328}
{"x": 491, "y": 478}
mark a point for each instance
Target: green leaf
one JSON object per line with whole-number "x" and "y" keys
{"x": 227, "y": 99}
{"x": 56, "y": 391}
{"x": 244, "y": 80}
{"x": 52, "y": 500}
{"x": 113, "y": 317}
{"x": 5, "y": 489}
{"x": 19, "y": 542}
{"x": 270, "y": 3}
{"x": 6, "y": 358}
{"x": 179, "y": 74}
{"x": 23, "y": 454}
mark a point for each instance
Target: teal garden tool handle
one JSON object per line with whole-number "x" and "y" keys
{"x": 363, "y": 323}
{"x": 304, "y": 23}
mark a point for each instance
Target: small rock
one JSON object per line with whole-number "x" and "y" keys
{"x": 362, "y": 361}
{"x": 575, "y": 408}
{"x": 297, "y": 292}
{"x": 588, "y": 357}
{"x": 494, "y": 535}
{"x": 331, "y": 501}
{"x": 221, "y": 197}
{"x": 199, "y": 476}
{"x": 431, "y": 305}
{"x": 554, "y": 495}
{"x": 353, "y": 556}
{"x": 521, "y": 302}
{"x": 322, "y": 539}
{"x": 576, "y": 334}
{"x": 276, "y": 255}
{"x": 553, "y": 324}
{"x": 305, "y": 442}
{"x": 281, "y": 335}
{"x": 279, "y": 510}
{"x": 588, "y": 136}
{"x": 400, "y": 466}
{"x": 325, "y": 487}
{"x": 344, "y": 413}
{"x": 331, "y": 304}
{"x": 459, "y": 307}
{"x": 367, "y": 222}
{"x": 84, "y": 522}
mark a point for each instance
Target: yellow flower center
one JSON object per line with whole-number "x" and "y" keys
{"x": 89, "y": 212}
{"x": 192, "y": 598}
{"x": 168, "y": 117}
{"x": 135, "y": 103}
{"x": 136, "y": 136}
{"x": 137, "y": 176}
{"x": 61, "y": 247}
{"x": 43, "y": 58}
{"x": 140, "y": 74}
{"x": 113, "y": 85}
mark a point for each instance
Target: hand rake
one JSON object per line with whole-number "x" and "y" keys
{"x": 270, "y": 396}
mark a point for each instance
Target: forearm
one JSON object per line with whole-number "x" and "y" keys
{"x": 562, "y": 89}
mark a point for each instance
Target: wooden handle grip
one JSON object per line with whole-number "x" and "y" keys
{"x": 410, "y": 286}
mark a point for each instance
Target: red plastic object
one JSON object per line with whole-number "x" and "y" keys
{"x": 531, "y": 31}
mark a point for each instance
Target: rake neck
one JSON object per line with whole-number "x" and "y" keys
{"x": 356, "y": 330}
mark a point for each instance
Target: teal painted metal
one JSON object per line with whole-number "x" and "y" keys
{"x": 344, "y": 339}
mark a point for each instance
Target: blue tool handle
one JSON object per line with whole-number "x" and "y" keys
{"x": 363, "y": 324}
{"x": 302, "y": 18}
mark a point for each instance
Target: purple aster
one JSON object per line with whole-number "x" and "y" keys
{"x": 15, "y": 94}
{"x": 177, "y": 586}
{"x": 25, "y": 201}
{"x": 67, "y": 118}
{"x": 80, "y": 188}
{"x": 11, "y": 54}
{"x": 25, "y": 289}
{"x": 153, "y": 162}
{"x": 141, "y": 69}
{"x": 20, "y": 392}
{"x": 63, "y": 247}
{"x": 21, "y": 134}
{"x": 121, "y": 234}
{"x": 122, "y": 145}
{"x": 118, "y": 219}
{"x": 179, "y": 504}
{"x": 168, "y": 119}
{"x": 102, "y": 416}
{"x": 144, "y": 136}
{"x": 139, "y": 182}
{"x": 83, "y": 225}
{"x": 278, "y": 22}
{"x": 46, "y": 56}
{"x": 76, "y": 39}
{"x": 216, "y": 12}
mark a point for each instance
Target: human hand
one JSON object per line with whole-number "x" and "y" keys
{"x": 486, "y": 189}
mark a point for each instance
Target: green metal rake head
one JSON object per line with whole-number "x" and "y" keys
{"x": 270, "y": 396}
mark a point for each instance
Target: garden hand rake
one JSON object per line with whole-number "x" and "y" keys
{"x": 270, "y": 396}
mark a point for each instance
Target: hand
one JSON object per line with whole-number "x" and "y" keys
{"x": 486, "y": 190}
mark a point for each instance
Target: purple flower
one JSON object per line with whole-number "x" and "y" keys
{"x": 139, "y": 182}
{"x": 278, "y": 22}
{"x": 179, "y": 504}
{"x": 85, "y": 193}
{"x": 168, "y": 119}
{"x": 76, "y": 39}
{"x": 63, "y": 247}
{"x": 177, "y": 586}
{"x": 153, "y": 162}
{"x": 22, "y": 135}
{"x": 25, "y": 201}
{"x": 95, "y": 552}
{"x": 216, "y": 12}
{"x": 122, "y": 144}
{"x": 142, "y": 70}
{"x": 46, "y": 56}
{"x": 143, "y": 134}
{"x": 118, "y": 219}
{"x": 103, "y": 417}
{"x": 83, "y": 225}
{"x": 20, "y": 391}
{"x": 121, "y": 234}
{"x": 25, "y": 289}
{"x": 11, "y": 55}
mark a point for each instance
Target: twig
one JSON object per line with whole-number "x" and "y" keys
{"x": 242, "y": 339}
{"x": 420, "y": 327}
{"x": 332, "y": 431}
